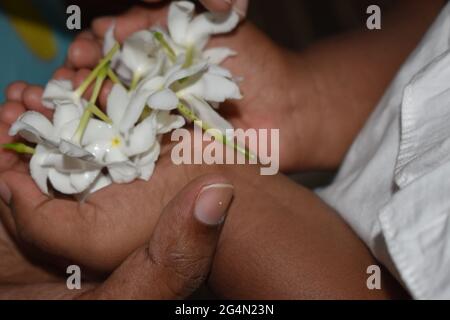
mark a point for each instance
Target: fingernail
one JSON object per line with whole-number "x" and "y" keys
{"x": 5, "y": 193}
{"x": 212, "y": 203}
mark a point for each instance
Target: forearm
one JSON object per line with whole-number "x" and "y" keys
{"x": 342, "y": 79}
{"x": 281, "y": 241}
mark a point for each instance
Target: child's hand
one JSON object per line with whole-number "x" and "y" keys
{"x": 105, "y": 229}
{"x": 271, "y": 99}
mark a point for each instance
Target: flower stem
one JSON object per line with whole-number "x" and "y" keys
{"x": 18, "y": 147}
{"x": 91, "y": 108}
{"x": 113, "y": 77}
{"x": 169, "y": 51}
{"x": 94, "y": 73}
{"x": 189, "y": 57}
{"x": 135, "y": 81}
{"x": 217, "y": 134}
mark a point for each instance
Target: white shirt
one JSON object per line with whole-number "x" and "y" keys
{"x": 394, "y": 185}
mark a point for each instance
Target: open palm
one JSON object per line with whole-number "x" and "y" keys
{"x": 98, "y": 233}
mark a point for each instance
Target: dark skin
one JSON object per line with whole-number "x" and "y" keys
{"x": 285, "y": 243}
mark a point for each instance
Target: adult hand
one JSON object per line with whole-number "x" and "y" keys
{"x": 172, "y": 265}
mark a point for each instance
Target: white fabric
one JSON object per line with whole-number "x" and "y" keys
{"x": 394, "y": 186}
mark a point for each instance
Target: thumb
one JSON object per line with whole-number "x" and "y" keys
{"x": 178, "y": 257}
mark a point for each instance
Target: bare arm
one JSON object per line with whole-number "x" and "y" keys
{"x": 342, "y": 79}
{"x": 280, "y": 241}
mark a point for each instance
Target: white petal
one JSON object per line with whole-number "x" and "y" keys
{"x": 115, "y": 155}
{"x": 34, "y": 127}
{"x": 99, "y": 150}
{"x": 182, "y": 73}
{"x": 134, "y": 110}
{"x": 66, "y": 164}
{"x": 146, "y": 162}
{"x": 117, "y": 103}
{"x": 141, "y": 138}
{"x": 211, "y": 87}
{"x": 207, "y": 114}
{"x": 101, "y": 182}
{"x": 164, "y": 99}
{"x": 207, "y": 24}
{"x": 64, "y": 113}
{"x": 146, "y": 171}
{"x": 61, "y": 182}
{"x": 218, "y": 55}
{"x": 219, "y": 71}
{"x": 165, "y": 122}
{"x": 37, "y": 171}
{"x": 124, "y": 73}
{"x": 71, "y": 150}
{"x": 124, "y": 172}
{"x": 139, "y": 51}
{"x": 96, "y": 131}
{"x": 57, "y": 90}
{"x": 108, "y": 43}
{"x": 81, "y": 181}
{"x": 180, "y": 15}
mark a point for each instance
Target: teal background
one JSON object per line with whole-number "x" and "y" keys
{"x": 17, "y": 62}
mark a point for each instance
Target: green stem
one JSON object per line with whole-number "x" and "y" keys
{"x": 189, "y": 57}
{"x": 94, "y": 73}
{"x": 18, "y": 147}
{"x": 113, "y": 76}
{"x": 91, "y": 108}
{"x": 169, "y": 51}
{"x": 188, "y": 114}
{"x": 135, "y": 81}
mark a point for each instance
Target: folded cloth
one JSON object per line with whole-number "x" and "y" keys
{"x": 394, "y": 185}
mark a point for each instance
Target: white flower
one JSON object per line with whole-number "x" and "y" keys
{"x": 60, "y": 91}
{"x": 67, "y": 175}
{"x": 164, "y": 71}
{"x": 193, "y": 33}
{"x": 126, "y": 157}
{"x": 195, "y": 86}
{"x": 141, "y": 55}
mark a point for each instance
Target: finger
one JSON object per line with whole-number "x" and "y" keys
{"x": 10, "y": 111}
{"x": 84, "y": 52}
{"x": 32, "y": 100}
{"x": 178, "y": 257}
{"x": 104, "y": 93}
{"x": 218, "y": 5}
{"x": 7, "y": 158}
{"x": 14, "y": 91}
{"x": 19, "y": 192}
{"x": 63, "y": 73}
{"x": 135, "y": 19}
{"x": 239, "y": 6}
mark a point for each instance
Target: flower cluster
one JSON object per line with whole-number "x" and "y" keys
{"x": 161, "y": 77}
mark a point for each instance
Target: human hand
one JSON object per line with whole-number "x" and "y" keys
{"x": 269, "y": 74}
{"x": 98, "y": 233}
{"x": 172, "y": 265}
